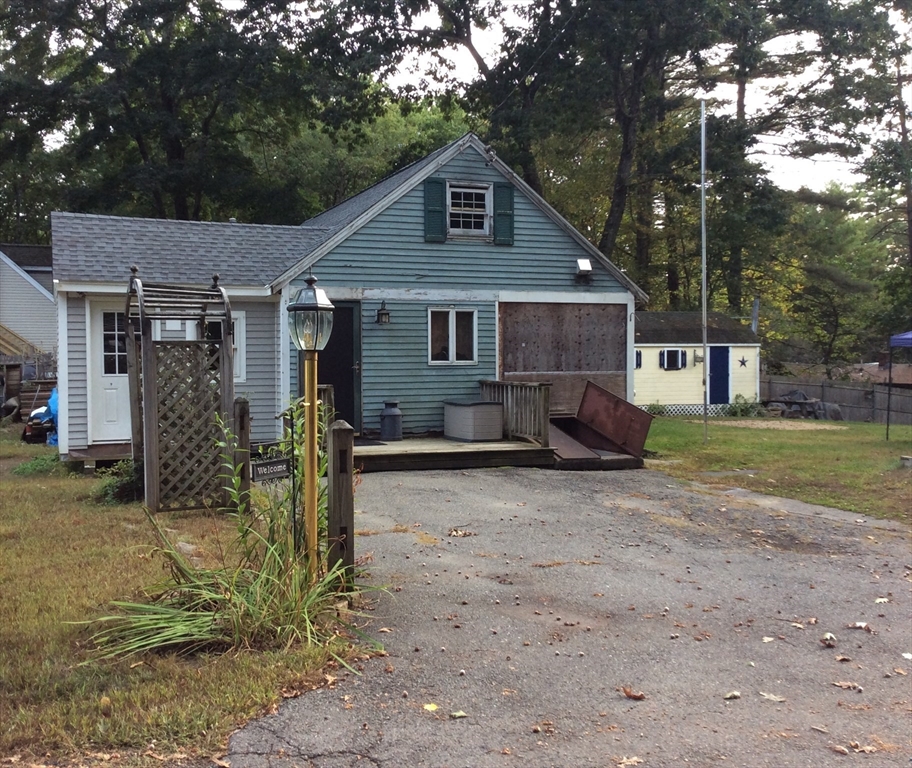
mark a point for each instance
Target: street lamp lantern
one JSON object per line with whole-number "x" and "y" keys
{"x": 310, "y": 317}
{"x": 310, "y": 321}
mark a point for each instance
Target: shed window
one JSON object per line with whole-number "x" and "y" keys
{"x": 452, "y": 337}
{"x": 672, "y": 359}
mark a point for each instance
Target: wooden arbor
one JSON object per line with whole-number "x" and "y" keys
{"x": 178, "y": 389}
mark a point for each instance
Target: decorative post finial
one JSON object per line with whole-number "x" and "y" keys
{"x": 215, "y": 279}
{"x": 134, "y": 270}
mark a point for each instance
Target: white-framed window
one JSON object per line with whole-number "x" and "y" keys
{"x": 672, "y": 359}
{"x": 452, "y": 336}
{"x": 239, "y": 340}
{"x": 469, "y": 208}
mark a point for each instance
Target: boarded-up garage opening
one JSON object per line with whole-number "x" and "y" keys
{"x": 566, "y": 345}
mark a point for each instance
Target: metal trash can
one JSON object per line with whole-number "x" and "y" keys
{"x": 391, "y": 421}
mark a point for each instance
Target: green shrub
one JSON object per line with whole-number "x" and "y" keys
{"x": 121, "y": 484}
{"x": 45, "y": 464}
{"x": 741, "y": 406}
{"x": 656, "y": 409}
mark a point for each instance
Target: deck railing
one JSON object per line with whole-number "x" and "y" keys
{"x": 526, "y": 408}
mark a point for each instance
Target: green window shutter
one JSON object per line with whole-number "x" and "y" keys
{"x": 435, "y": 208}
{"x": 503, "y": 213}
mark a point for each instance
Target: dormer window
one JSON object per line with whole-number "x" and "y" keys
{"x": 456, "y": 209}
{"x": 469, "y": 210}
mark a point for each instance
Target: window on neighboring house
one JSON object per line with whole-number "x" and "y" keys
{"x": 239, "y": 340}
{"x": 638, "y": 359}
{"x": 452, "y": 337}
{"x": 672, "y": 359}
{"x": 463, "y": 209}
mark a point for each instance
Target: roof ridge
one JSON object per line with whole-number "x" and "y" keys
{"x": 178, "y": 222}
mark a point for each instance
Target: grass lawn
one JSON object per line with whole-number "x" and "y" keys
{"x": 851, "y": 467}
{"x": 63, "y": 557}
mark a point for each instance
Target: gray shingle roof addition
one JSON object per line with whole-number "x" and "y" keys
{"x": 90, "y": 248}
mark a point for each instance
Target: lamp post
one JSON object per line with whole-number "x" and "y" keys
{"x": 310, "y": 320}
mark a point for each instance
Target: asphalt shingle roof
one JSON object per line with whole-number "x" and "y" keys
{"x": 687, "y": 328}
{"x": 28, "y": 256}
{"x": 348, "y": 210}
{"x": 90, "y": 248}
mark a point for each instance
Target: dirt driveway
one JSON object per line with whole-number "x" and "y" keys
{"x": 522, "y": 603}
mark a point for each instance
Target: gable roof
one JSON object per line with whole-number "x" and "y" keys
{"x": 28, "y": 256}
{"x": 347, "y": 217}
{"x": 91, "y": 249}
{"x": 25, "y": 276}
{"x": 100, "y": 249}
{"x": 687, "y": 328}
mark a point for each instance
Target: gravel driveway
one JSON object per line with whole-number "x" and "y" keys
{"x": 522, "y": 603}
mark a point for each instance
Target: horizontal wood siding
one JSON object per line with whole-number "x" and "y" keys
{"x": 261, "y": 387}
{"x": 395, "y": 366}
{"x": 27, "y": 311}
{"x": 390, "y": 251}
{"x": 78, "y": 392}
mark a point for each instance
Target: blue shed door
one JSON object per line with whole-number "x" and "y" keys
{"x": 718, "y": 374}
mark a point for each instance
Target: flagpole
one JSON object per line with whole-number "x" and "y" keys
{"x": 703, "y": 265}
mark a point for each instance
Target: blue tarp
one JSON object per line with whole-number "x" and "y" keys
{"x": 53, "y": 405}
{"x": 901, "y": 339}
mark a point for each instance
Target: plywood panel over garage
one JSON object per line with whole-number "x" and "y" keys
{"x": 566, "y": 345}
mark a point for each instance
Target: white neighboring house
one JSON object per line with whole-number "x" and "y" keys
{"x": 28, "y": 316}
{"x": 668, "y": 370}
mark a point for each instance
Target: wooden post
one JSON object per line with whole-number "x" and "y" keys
{"x": 341, "y": 496}
{"x": 242, "y": 447}
{"x": 545, "y": 429}
{"x": 150, "y": 417}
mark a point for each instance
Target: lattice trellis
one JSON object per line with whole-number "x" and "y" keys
{"x": 179, "y": 389}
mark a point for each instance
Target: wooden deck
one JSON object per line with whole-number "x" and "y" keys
{"x": 440, "y": 453}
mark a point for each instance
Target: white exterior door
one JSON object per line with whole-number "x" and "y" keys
{"x": 109, "y": 401}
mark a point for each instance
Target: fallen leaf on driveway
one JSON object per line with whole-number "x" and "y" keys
{"x": 622, "y": 761}
{"x": 458, "y": 715}
{"x": 839, "y": 749}
{"x": 843, "y": 658}
{"x": 732, "y": 695}
{"x": 829, "y": 640}
{"x": 847, "y": 685}
{"x": 458, "y": 533}
{"x": 772, "y": 696}
{"x": 798, "y": 625}
{"x": 882, "y": 600}
{"x": 431, "y": 707}
{"x": 632, "y": 694}
{"x": 220, "y": 761}
{"x": 861, "y": 625}
{"x": 384, "y": 629}
{"x": 907, "y": 656}
{"x": 821, "y": 728}
{"x": 900, "y": 671}
{"x": 867, "y": 748}
{"x": 768, "y": 639}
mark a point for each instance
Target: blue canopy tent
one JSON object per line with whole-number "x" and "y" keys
{"x": 897, "y": 340}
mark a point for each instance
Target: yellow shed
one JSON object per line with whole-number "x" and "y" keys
{"x": 669, "y": 361}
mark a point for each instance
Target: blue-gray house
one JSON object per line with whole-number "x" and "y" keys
{"x": 478, "y": 277}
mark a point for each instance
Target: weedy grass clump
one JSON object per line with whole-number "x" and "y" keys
{"x": 262, "y": 594}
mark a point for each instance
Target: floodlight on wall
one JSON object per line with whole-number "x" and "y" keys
{"x": 583, "y": 267}
{"x": 383, "y": 314}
